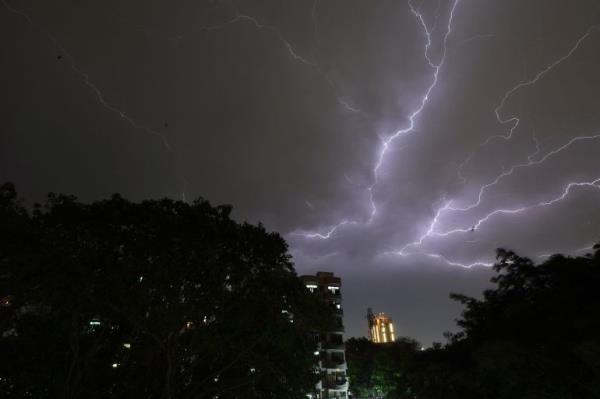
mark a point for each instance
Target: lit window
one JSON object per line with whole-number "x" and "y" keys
{"x": 311, "y": 287}
{"x": 115, "y": 365}
{"x": 127, "y": 345}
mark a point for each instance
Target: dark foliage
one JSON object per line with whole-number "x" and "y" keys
{"x": 535, "y": 335}
{"x": 159, "y": 299}
{"x": 376, "y": 369}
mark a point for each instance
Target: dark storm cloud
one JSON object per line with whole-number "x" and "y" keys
{"x": 281, "y": 113}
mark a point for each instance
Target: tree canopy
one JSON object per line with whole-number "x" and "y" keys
{"x": 158, "y": 299}
{"x": 375, "y": 370}
{"x": 535, "y": 334}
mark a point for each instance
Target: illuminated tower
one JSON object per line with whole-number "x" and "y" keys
{"x": 381, "y": 328}
{"x": 332, "y": 357}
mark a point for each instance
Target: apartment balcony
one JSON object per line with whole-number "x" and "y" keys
{"x": 338, "y": 329}
{"x": 333, "y": 345}
{"x": 339, "y": 384}
{"x": 337, "y": 295}
{"x": 334, "y": 365}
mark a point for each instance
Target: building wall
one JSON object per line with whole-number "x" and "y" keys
{"x": 332, "y": 355}
{"x": 381, "y": 329}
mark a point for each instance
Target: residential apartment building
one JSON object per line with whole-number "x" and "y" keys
{"x": 332, "y": 356}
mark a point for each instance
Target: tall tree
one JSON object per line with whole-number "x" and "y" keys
{"x": 158, "y": 299}
{"x": 375, "y": 369}
{"x": 536, "y": 334}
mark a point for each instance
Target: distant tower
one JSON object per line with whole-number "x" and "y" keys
{"x": 381, "y": 328}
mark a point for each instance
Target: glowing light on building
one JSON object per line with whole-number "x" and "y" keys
{"x": 381, "y": 328}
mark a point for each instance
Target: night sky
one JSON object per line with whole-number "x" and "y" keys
{"x": 395, "y": 143}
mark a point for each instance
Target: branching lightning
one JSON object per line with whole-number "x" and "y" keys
{"x": 387, "y": 141}
{"x": 342, "y": 100}
{"x": 440, "y": 258}
{"x": 514, "y": 121}
{"x": 431, "y": 231}
{"x": 288, "y": 46}
{"x": 85, "y": 79}
{"x": 530, "y": 162}
{"x": 511, "y": 122}
{"x": 327, "y": 235}
{"x": 424, "y": 100}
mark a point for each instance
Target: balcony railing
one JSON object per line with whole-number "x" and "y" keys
{"x": 333, "y": 345}
{"x": 334, "y": 362}
{"x": 338, "y": 383}
{"x": 336, "y": 294}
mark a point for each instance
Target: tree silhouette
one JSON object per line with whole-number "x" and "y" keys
{"x": 535, "y": 334}
{"x": 158, "y": 299}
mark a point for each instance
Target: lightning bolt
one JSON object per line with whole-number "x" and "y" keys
{"x": 578, "y": 250}
{"x": 440, "y": 258}
{"x": 85, "y": 79}
{"x": 481, "y": 36}
{"x": 509, "y": 122}
{"x": 385, "y": 145}
{"x": 403, "y": 251}
{"x": 530, "y": 162}
{"x": 514, "y": 121}
{"x": 288, "y": 46}
{"x": 328, "y": 234}
{"x": 342, "y": 100}
{"x": 447, "y": 207}
{"x": 387, "y": 141}
{"x": 594, "y": 183}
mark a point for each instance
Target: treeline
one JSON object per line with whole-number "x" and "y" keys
{"x": 535, "y": 335}
{"x": 158, "y": 299}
